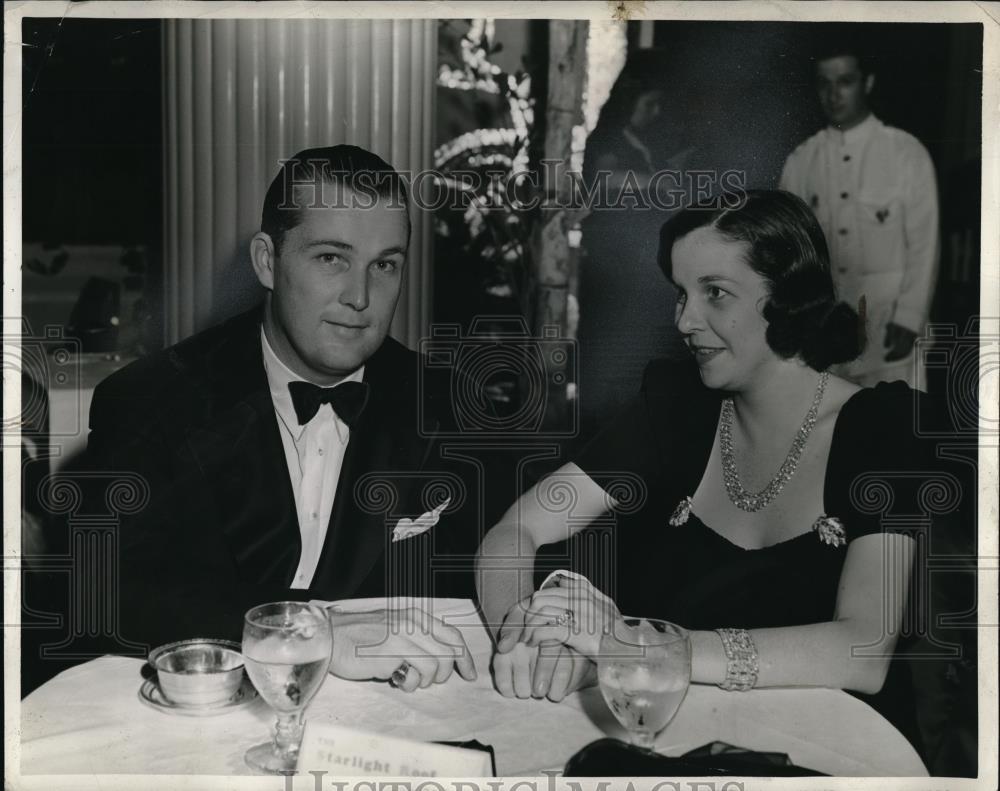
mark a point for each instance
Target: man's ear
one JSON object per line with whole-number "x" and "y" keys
{"x": 869, "y": 84}
{"x": 262, "y": 256}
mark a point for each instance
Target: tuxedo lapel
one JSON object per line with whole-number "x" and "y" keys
{"x": 356, "y": 536}
{"x": 238, "y": 448}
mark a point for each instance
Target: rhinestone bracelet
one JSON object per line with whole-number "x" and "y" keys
{"x": 741, "y": 660}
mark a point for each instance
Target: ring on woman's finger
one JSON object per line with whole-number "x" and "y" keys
{"x": 565, "y": 618}
{"x": 399, "y": 675}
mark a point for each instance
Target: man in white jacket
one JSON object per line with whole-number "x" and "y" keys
{"x": 873, "y": 190}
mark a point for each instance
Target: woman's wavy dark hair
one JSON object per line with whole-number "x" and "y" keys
{"x": 787, "y": 248}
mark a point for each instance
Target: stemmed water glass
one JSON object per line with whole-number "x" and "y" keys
{"x": 286, "y": 648}
{"x": 644, "y": 670}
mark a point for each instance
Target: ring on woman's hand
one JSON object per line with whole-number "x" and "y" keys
{"x": 398, "y": 677}
{"x": 565, "y": 619}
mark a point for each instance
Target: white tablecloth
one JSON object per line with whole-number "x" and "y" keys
{"x": 89, "y": 720}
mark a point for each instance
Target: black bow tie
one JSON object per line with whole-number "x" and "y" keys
{"x": 347, "y": 399}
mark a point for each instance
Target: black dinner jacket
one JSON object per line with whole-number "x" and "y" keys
{"x": 195, "y": 428}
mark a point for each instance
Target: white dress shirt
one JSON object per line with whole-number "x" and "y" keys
{"x": 874, "y": 193}
{"x": 314, "y": 455}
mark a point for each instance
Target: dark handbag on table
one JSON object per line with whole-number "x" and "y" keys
{"x": 614, "y": 758}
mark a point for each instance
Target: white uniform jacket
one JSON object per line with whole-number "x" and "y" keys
{"x": 875, "y": 195}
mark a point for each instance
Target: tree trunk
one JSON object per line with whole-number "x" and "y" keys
{"x": 552, "y": 257}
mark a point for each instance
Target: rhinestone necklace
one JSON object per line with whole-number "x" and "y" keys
{"x": 740, "y": 497}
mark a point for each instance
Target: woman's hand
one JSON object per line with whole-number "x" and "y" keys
{"x": 378, "y": 644}
{"x": 572, "y": 612}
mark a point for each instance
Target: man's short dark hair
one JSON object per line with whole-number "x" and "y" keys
{"x": 839, "y": 42}
{"x": 367, "y": 175}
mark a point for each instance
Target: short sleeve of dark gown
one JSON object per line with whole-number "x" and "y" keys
{"x": 882, "y": 473}
{"x": 886, "y": 475}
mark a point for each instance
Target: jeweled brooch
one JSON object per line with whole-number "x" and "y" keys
{"x": 830, "y": 530}
{"x": 681, "y": 512}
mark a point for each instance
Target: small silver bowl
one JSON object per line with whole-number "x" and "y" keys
{"x": 199, "y": 672}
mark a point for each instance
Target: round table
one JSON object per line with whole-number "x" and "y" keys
{"x": 90, "y": 721}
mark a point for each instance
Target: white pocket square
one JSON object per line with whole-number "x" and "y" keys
{"x": 408, "y": 528}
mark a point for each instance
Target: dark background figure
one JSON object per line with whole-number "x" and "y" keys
{"x": 626, "y": 309}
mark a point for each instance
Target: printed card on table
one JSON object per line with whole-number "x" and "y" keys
{"x": 348, "y": 752}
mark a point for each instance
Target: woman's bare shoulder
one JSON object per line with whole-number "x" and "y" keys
{"x": 838, "y": 392}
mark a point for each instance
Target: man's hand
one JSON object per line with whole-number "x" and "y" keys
{"x": 560, "y": 670}
{"x": 375, "y": 644}
{"x": 898, "y": 342}
{"x": 514, "y": 661}
{"x": 547, "y": 671}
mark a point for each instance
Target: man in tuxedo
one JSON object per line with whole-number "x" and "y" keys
{"x": 287, "y": 449}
